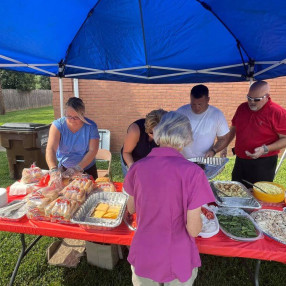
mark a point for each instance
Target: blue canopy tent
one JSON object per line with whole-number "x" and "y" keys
{"x": 141, "y": 41}
{"x": 175, "y": 41}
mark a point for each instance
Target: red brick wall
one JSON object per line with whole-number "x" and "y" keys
{"x": 115, "y": 105}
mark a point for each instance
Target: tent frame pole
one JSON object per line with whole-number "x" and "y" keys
{"x": 75, "y": 87}
{"x": 61, "y": 96}
{"x": 31, "y": 66}
{"x": 281, "y": 161}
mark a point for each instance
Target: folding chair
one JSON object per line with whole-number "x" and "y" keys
{"x": 104, "y": 155}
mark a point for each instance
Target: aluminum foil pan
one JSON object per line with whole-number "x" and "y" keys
{"x": 83, "y": 218}
{"x": 213, "y": 165}
{"x": 235, "y": 202}
{"x": 225, "y": 199}
{"x": 264, "y": 220}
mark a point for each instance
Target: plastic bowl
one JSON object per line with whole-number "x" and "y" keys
{"x": 269, "y": 198}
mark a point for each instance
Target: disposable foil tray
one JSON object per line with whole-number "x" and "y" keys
{"x": 268, "y": 225}
{"x": 226, "y": 199}
{"x": 213, "y": 165}
{"x": 84, "y": 220}
{"x": 235, "y": 202}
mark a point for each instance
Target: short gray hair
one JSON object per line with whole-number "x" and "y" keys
{"x": 174, "y": 130}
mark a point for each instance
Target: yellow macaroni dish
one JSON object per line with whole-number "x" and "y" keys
{"x": 269, "y": 188}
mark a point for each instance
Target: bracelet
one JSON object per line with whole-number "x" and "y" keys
{"x": 53, "y": 169}
{"x": 213, "y": 150}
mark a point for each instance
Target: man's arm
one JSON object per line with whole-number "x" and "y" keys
{"x": 221, "y": 143}
{"x": 231, "y": 136}
{"x": 232, "y": 131}
{"x": 277, "y": 145}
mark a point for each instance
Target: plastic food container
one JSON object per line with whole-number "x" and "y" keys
{"x": 14, "y": 211}
{"x": 210, "y": 226}
{"x": 269, "y": 197}
{"x": 271, "y": 223}
{"x": 241, "y": 213}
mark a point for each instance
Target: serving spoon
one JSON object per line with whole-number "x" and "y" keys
{"x": 254, "y": 186}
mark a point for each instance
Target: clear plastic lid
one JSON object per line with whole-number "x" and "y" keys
{"x": 238, "y": 213}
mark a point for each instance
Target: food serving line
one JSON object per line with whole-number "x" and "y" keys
{"x": 220, "y": 244}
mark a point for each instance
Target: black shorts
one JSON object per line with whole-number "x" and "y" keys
{"x": 254, "y": 170}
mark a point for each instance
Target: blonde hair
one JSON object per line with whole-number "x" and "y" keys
{"x": 153, "y": 118}
{"x": 78, "y": 106}
{"x": 174, "y": 130}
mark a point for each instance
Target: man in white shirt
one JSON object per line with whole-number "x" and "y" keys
{"x": 208, "y": 123}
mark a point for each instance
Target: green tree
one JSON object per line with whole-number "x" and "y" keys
{"x": 17, "y": 80}
{"x": 44, "y": 82}
{"x": 2, "y": 105}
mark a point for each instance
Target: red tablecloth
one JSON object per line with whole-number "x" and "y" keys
{"x": 221, "y": 245}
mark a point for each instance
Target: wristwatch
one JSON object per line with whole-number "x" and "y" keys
{"x": 213, "y": 151}
{"x": 265, "y": 149}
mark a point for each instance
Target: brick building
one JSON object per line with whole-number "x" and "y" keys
{"x": 115, "y": 105}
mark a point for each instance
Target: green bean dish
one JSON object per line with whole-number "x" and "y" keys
{"x": 238, "y": 226}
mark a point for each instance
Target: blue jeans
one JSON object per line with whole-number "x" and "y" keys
{"x": 123, "y": 166}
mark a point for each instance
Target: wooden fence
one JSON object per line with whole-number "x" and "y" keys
{"x": 17, "y": 100}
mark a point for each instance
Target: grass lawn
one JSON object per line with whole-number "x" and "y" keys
{"x": 44, "y": 115}
{"x": 34, "y": 269}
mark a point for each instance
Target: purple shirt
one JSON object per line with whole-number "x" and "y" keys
{"x": 165, "y": 186}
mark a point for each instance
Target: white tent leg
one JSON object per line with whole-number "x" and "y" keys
{"x": 75, "y": 87}
{"x": 61, "y": 96}
{"x": 281, "y": 161}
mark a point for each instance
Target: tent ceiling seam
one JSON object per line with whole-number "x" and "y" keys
{"x": 239, "y": 45}
{"x": 88, "y": 15}
{"x": 143, "y": 31}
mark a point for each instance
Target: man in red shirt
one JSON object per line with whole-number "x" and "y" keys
{"x": 260, "y": 129}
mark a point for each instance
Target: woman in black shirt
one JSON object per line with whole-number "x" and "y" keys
{"x": 139, "y": 140}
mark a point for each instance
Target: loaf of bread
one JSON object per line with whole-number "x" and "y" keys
{"x": 102, "y": 179}
{"x": 61, "y": 210}
{"x": 105, "y": 187}
{"x": 31, "y": 175}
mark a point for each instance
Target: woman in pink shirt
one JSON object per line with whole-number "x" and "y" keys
{"x": 166, "y": 192}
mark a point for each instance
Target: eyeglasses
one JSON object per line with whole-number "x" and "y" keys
{"x": 256, "y": 99}
{"x": 73, "y": 117}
